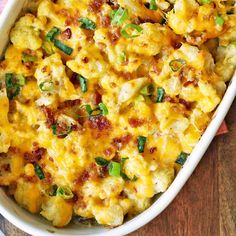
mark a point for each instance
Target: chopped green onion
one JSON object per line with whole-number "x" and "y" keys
{"x": 114, "y": 169}
{"x": 147, "y": 90}
{"x": 64, "y": 192}
{"x": 177, "y": 64}
{"x": 153, "y": 5}
{"x": 101, "y": 161}
{"x": 39, "y": 172}
{"x": 141, "y": 143}
{"x": 12, "y": 86}
{"x": 83, "y": 83}
{"x": 219, "y": 21}
{"x": 46, "y": 86}
{"x": 123, "y": 161}
{"x": 103, "y": 109}
{"x": 119, "y": 16}
{"x": 182, "y": 158}
{"x": 160, "y": 95}
{"x": 206, "y": 1}
{"x": 55, "y": 131}
{"x": 124, "y": 176}
{"x": 122, "y": 58}
{"x": 48, "y": 47}
{"x": 125, "y": 34}
{"x": 87, "y": 24}
{"x": 51, "y": 35}
{"x": 88, "y": 109}
{"x": 64, "y": 48}
{"x": 28, "y": 58}
{"x": 21, "y": 80}
{"x": 52, "y": 191}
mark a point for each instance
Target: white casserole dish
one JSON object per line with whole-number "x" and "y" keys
{"x": 36, "y": 225}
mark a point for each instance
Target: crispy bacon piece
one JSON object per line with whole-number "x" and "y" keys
{"x": 96, "y": 97}
{"x": 185, "y": 103}
{"x": 32, "y": 179}
{"x": 152, "y": 150}
{"x": 95, "y": 5}
{"x": 114, "y": 36}
{"x": 66, "y": 34}
{"x": 120, "y": 142}
{"x": 188, "y": 82}
{"x": 49, "y": 116}
{"x": 35, "y": 155}
{"x": 83, "y": 177}
{"x": 136, "y": 122}
{"x": 100, "y": 123}
{"x": 69, "y": 103}
{"x": 105, "y": 21}
{"x": 6, "y": 167}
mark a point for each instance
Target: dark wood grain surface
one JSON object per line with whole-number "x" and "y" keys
{"x": 206, "y": 206}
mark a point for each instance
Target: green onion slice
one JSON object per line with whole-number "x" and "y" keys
{"x": 114, "y": 169}
{"x": 101, "y": 161}
{"x": 119, "y": 16}
{"x": 87, "y": 24}
{"x": 39, "y": 171}
{"x": 141, "y": 143}
{"x": 20, "y": 80}
{"x": 12, "y": 85}
{"x": 103, "y": 109}
{"x": 64, "y": 48}
{"x": 28, "y": 58}
{"x": 206, "y": 1}
{"x": 153, "y": 5}
{"x": 46, "y": 86}
{"x": 182, "y": 158}
{"x": 177, "y": 64}
{"x": 219, "y": 20}
{"x": 135, "y": 27}
{"x": 147, "y": 90}
{"x": 60, "y": 132}
{"x": 160, "y": 95}
{"x": 83, "y": 83}
{"x": 64, "y": 192}
{"x": 51, "y": 35}
{"x": 122, "y": 57}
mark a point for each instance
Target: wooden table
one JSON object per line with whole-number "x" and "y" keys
{"x": 206, "y": 206}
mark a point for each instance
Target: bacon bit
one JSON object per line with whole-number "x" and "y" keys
{"x": 120, "y": 142}
{"x": 105, "y": 21}
{"x": 11, "y": 189}
{"x": 194, "y": 82}
{"x": 73, "y": 79}
{"x": 176, "y": 45}
{"x": 108, "y": 151}
{"x": 35, "y": 156}
{"x": 49, "y": 116}
{"x": 84, "y": 176}
{"x": 69, "y": 103}
{"x": 96, "y": 97}
{"x": 169, "y": 99}
{"x": 135, "y": 122}
{"x": 114, "y": 36}
{"x": 32, "y": 179}
{"x": 66, "y": 34}
{"x": 28, "y": 64}
{"x": 89, "y": 35}
{"x": 95, "y": 5}
{"x": 6, "y": 167}
{"x": 152, "y": 150}
{"x": 185, "y": 103}
{"x": 100, "y": 123}
{"x": 51, "y": 159}
{"x": 85, "y": 60}
{"x": 113, "y": 4}
{"x": 48, "y": 178}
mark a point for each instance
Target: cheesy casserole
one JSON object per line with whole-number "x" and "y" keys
{"x": 102, "y": 101}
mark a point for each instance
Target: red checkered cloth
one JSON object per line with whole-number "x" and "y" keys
{"x": 223, "y": 128}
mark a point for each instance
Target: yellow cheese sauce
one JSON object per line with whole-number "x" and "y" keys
{"x": 102, "y": 101}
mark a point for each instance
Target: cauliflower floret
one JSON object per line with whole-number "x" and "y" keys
{"x": 96, "y": 66}
{"x": 162, "y": 178}
{"x": 151, "y": 40}
{"x": 57, "y": 210}
{"x": 131, "y": 88}
{"x": 28, "y": 195}
{"x": 52, "y": 79}
{"x": 26, "y": 33}
{"x": 111, "y": 215}
{"x": 226, "y": 62}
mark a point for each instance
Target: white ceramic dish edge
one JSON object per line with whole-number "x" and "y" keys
{"x": 34, "y": 225}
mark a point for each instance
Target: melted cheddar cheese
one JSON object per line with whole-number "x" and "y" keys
{"x": 102, "y": 101}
